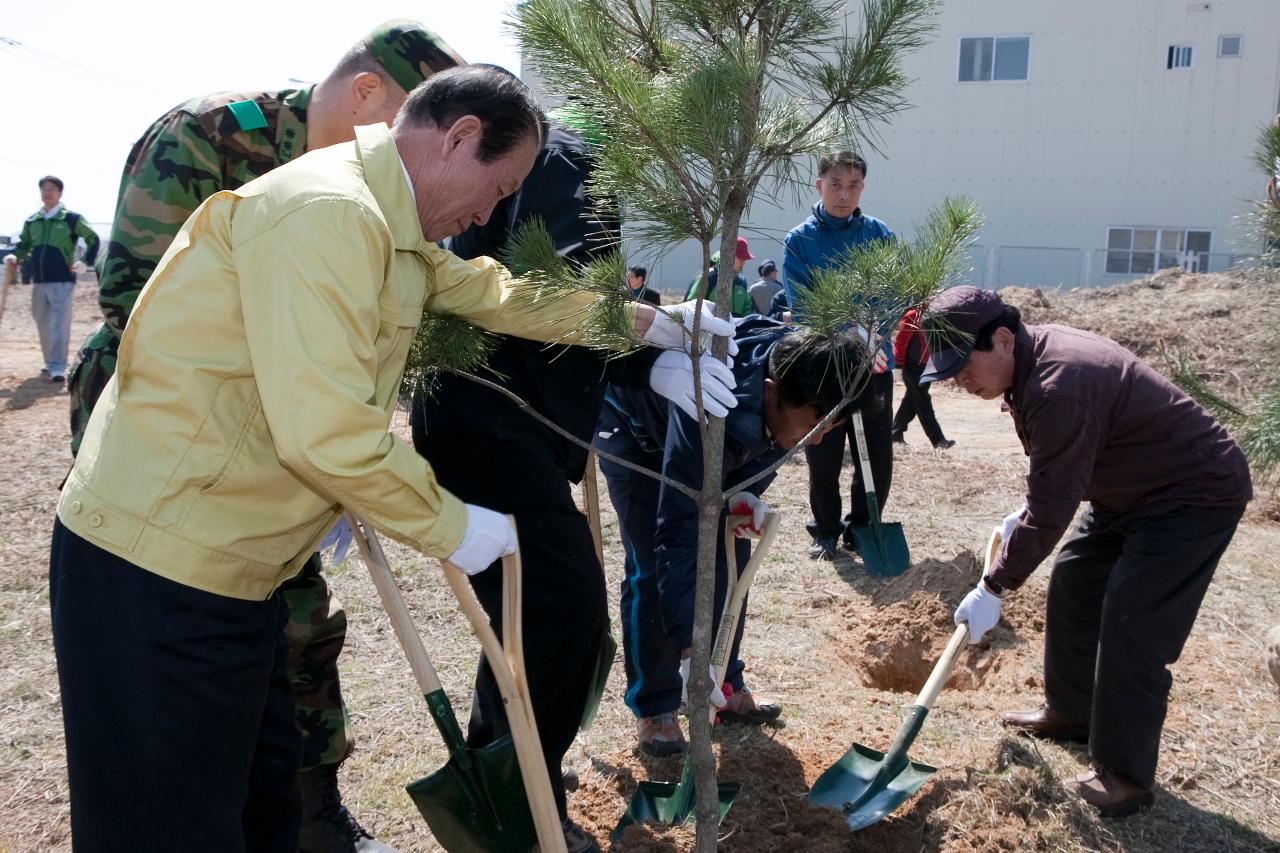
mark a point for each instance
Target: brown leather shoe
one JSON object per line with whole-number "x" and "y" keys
{"x": 1112, "y": 794}
{"x": 1046, "y": 723}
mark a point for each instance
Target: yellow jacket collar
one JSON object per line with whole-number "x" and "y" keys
{"x": 385, "y": 175}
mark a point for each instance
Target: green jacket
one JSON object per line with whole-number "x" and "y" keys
{"x": 51, "y": 244}
{"x": 740, "y": 304}
{"x": 212, "y": 143}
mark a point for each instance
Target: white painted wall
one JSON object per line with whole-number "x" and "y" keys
{"x": 1101, "y": 134}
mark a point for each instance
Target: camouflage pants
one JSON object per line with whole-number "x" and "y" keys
{"x": 317, "y": 625}
{"x": 316, "y": 630}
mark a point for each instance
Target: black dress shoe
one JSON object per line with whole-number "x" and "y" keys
{"x": 1046, "y": 723}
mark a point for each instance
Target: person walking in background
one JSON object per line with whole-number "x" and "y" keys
{"x": 912, "y": 352}
{"x": 763, "y": 291}
{"x": 636, "y": 277}
{"x": 48, "y": 244}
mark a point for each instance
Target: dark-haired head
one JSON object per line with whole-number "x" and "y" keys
{"x": 504, "y": 105}
{"x": 808, "y": 377}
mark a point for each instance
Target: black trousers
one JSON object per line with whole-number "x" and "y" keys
{"x": 916, "y": 402}
{"x": 564, "y": 608}
{"x": 177, "y": 709}
{"x": 826, "y": 458}
{"x": 1120, "y": 606}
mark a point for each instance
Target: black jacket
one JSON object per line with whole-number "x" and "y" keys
{"x": 565, "y": 384}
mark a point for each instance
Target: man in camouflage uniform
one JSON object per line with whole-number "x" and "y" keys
{"x": 220, "y": 142}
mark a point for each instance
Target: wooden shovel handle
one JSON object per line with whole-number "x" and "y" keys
{"x": 508, "y": 670}
{"x": 393, "y": 602}
{"x": 591, "y": 496}
{"x": 738, "y": 587}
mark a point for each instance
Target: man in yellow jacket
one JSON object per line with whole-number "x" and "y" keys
{"x": 251, "y": 402}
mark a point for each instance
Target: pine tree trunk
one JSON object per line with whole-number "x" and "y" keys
{"x": 710, "y": 504}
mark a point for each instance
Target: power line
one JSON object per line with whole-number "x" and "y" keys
{"x": 36, "y": 56}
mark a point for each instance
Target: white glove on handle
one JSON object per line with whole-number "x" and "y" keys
{"x": 880, "y": 363}
{"x": 11, "y": 260}
{"x": 78, "y": 267}
{"x": 672, "y": 325}
{"x": 489, "y": 537}
{"x": 1010, "y": 522}
{"x": 672, "y": 377}
{"x": 981, "y": 609}
{"x": 745, "y": 503}
{"x": 717, "y": 695}
{"x": 339, "y": 537}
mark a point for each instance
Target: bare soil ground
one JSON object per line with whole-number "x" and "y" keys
{"x": 844, "y": 652}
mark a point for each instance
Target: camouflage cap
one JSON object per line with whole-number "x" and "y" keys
{"x": 409, "y": 52}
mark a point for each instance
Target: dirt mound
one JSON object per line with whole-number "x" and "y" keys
{"x": 1224, "y": 323}
{"x": 895, "y": 641}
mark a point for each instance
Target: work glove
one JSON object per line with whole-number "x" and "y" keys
{"x": 78, "y": 267}
{"x": 717, "y": 695}
{"x": 672, "y": 325}
{"x": 745, "y": 503}
{"x": 339, "y": 538}
{"x": 880, "y": 363}
{"x": 489, "y": 536}
{"x": 1010, "y": 522}
{"x": 981, "y": 610}
{"x": 11, "y": 260}
{"x": 672, "y": 377}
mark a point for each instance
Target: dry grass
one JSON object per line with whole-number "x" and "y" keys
{"x": 843, "y": 651}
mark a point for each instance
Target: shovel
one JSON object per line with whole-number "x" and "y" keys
{"x": 672, "y": 803}
{"x": 607, "y": 647}
{"x": 883, "y": 546}
{"x": 866, "y": 784}
{"x": 477, "y": 802}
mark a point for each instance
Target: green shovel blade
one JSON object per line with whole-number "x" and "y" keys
{"x": 671, "y": 802}
{"x": 883, "y": 547}
{"x": 482, "y": 808}
{"x": 866, "y": 784}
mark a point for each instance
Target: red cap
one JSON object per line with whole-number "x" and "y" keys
{"x": 743, "y": 253}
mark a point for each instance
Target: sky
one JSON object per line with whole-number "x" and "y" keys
{"x": 80, "y": 80}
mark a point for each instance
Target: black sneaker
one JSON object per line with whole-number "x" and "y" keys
{"x": 823, "y": 548}
{"x": 945, "y": 444}
{"x": 899, "y": 438}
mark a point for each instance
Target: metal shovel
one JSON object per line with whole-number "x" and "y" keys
{"x": 883, "y": 547}
{"x": 866, "y": 784}
{"x": 672, "y": 803}
{"x": 482, "y": 799}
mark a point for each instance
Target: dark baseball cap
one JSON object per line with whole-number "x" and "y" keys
{"x": 951, "y": 321}
{"x": 767, "y": 267}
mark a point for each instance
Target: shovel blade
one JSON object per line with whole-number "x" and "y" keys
{"x": 480, "y": 808}
{"x": 858, "y": 786}
{"x": 669, "y": 803}
{"x": 883, "y": 548}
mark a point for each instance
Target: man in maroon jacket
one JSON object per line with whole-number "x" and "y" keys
{"x": 1166, "y": 486}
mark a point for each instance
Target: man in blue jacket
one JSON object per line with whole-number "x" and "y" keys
{"x": 786, "y": 383}
{"x": 837, "y": 225}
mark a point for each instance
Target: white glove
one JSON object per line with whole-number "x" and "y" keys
{"x": 745, "y": 503}
{"x": 339, "y": 537}
{"x": 78, "y": 267}
{"x": 880, "y": 363}
{"x": 1010, "y": 522}
{"x": 672, "y": 325}
{"x": 672, "y": 377}
{"x": 981, "y": 609}
{"x": 11, "y": 260}
{"x": 489, "y": 536}
{"x": 717, "y": 695}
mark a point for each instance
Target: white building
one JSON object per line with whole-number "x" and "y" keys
{"x": 1103, "y": 138}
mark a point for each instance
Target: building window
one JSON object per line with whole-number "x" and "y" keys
{"x": 1229, "y": 45}
{"x": 1180, "y": 56}
{"x": 986, "y": 58}
{"x": 1141, "y": 251}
